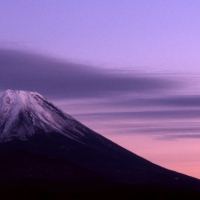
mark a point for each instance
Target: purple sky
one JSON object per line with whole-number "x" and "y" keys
{"x": 145, "y": 35}
{"x": 127, "y": 69}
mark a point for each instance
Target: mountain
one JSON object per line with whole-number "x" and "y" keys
{"x": 42, "y": 147}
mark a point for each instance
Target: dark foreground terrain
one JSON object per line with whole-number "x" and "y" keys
{"x": 30, "y": 176}
{"x": 40, "y": 189}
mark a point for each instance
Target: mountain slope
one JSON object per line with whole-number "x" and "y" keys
{"x": 29, "y": 123}
{"x": 22, "y": 114}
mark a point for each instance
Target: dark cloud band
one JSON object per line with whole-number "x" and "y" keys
{"x": 160, "y": 114}
{"x": 57, "y": 78}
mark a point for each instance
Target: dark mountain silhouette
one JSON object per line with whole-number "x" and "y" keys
{"x": 45, "y": 151}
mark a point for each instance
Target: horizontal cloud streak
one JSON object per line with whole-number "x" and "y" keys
{"x": 178, "y": 101}
{"x": 170, "y": 130}
{"x": 58, "y": 78}
{"x": 182, "y": 136}
{"x": 161, "y": 114}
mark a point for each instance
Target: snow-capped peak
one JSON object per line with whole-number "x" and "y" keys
{"x": 23, "y": 113}
{"x": 19, "y": 98}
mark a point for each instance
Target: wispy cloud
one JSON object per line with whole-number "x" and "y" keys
{"x": 178, "y": 101}
{"x": 149, "y": 114}
{"x": 54, "y": 77}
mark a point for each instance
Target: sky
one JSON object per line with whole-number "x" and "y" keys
{"x": 128, "y": 69}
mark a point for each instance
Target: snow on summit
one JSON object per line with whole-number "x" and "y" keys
{"x": 23, "y": 114}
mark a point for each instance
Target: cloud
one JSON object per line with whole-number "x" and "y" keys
{"x": 148, "y": 114}
{"x": 58, "y": 78}
{"x": 172, "y": 102}
{"x": 184, "y": 130}
{"x": 178, "y": 101}
{"x": 181, "y": 136}
{"x": 164, "y": 133}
